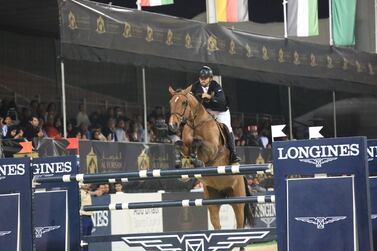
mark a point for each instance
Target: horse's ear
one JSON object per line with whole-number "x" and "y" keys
{"x": 187, "y": 90}
{"x": 171, "y": 90}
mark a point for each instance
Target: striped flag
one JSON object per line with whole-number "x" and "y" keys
{"x": 343, "y": 22}
{"x": 155, "y": 2}
{"x": 232, "y": 10}
{"x": 302, "y": 18}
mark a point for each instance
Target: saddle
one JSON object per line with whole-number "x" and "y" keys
{"x": 224, "y": 131}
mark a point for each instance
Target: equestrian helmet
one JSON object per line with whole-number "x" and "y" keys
{"x": 205, "y": 72}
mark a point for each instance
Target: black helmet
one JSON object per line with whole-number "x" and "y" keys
{"x": 205, "y": 72}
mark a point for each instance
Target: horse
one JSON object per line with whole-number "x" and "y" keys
{"x": 204, "y": 142}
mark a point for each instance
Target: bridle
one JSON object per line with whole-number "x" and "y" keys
{"x": 183, "y": 119}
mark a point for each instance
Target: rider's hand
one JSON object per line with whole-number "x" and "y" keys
{"x": 206, "y": 96}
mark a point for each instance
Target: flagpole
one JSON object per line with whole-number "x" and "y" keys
{"x": 285, "y": 18}
{"x": 290, "y": 113}
{"x": 330, "y": 23}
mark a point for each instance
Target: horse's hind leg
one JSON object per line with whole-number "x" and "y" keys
{"x": 239, "y": 213}
{"x": 239, "y": 191}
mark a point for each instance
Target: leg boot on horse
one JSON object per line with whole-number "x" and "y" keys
{"x": 234, "y": 158}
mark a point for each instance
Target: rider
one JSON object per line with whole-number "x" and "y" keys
{"x": 216, "y": 104}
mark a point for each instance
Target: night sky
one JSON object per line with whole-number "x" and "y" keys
{"x": 260, "y": 11}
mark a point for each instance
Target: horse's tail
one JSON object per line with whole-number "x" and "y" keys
{"x": 250, "y": 209}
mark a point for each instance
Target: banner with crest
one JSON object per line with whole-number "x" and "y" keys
{"x": 105, "y": 33}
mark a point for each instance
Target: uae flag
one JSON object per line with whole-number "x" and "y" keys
{"x": 156, "y": 2}
{"x": 302, "y": 18}
{"x": 232, "y": 10}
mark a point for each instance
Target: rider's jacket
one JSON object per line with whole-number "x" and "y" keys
{"x": 218, "y": 102}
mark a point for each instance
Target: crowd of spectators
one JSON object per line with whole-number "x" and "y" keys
{"x": 113, "y": 124}
{"x": 44, "y": 120}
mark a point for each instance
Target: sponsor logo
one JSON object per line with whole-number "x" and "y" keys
{"x": 373, "y": 216}
{"x": 39, "y": 231}
{"x": 51, "y": 168}
{"x": 320, "y": 222}
{"x": 11, "y": 170}
{"x": 318, "y": 155}
{"x": 223, "y": 241}
{"x": 372, "y": 152}
{"x": 3, "y": 233}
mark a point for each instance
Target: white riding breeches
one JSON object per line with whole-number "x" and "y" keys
{"x": 222, "y": 117}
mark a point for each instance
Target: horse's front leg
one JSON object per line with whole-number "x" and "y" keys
{"x": 194, "y": 149}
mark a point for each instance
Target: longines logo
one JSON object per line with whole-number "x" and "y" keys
{"x": 372, "y": 152}
{"x": 39, "y": 231}
{"x": 320, "y": 222}
{"x": 3, "y": 233}
{"x": 11, "y": 170}
{"x": 223, "y": 241}
{"x": 373, "y": 216}
{"x": 318, "y": 155}
{"x": 52, "y": 168}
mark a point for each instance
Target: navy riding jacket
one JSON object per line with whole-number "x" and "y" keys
{"x": 218, "y": 102}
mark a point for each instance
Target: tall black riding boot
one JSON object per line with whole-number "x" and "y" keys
{"x": 234, "y": 158}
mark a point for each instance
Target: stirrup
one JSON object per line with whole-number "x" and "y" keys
{"x": 234, "y": 159}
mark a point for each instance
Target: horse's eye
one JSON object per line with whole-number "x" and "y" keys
{"x": 185, "y": 103}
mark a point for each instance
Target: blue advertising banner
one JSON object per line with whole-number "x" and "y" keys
{"x": 15, "y": 179}
{"x": 332, "y": 157}
{"x": 9, "y": 221}
{"x": 52, "y": 166}
{"x": 51, "y": 220}
{"x": 372, "y": 161}
{"x": 101, "y": 224}
{"x": 331, "y": 227}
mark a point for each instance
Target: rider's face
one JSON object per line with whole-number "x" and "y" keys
{"x": 204, "y": 82}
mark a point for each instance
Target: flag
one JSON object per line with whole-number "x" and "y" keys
{"x": 343, "y": 13}
{"x": 314, "y": 132}
{"x": 277, "y": 131}
{"x": 155, "y": 2}
{"x": 231, "y": 10}
{"x": 303, "y": 18}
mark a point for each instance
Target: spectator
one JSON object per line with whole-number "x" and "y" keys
{"x": 85, "y": 217}
{"x": 51, "y": 130}
{"x": 82, "y": 117}
{"x": 8, "y": 122}
{"x": 121, "y": 131}
{"x": 263, "y": 139}
{"x": 119, "y": 187}
{"x": 254, "y": 186}
{"x": 109, "y": 130}
{"x": 33, "y": 130}
{"x": 97, "y": 135}
{"x": 250, "y": 138}
{"x": 14, "y": 133}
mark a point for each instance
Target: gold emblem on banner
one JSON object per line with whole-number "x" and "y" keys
{"x": 296, "y": 58}
{"x": 212, "y": 44}
{"x": 72, "y": 21}
{"x": 232, "y": 47}
{"x": 370, "y": 67}
{"x": 127, "y": 30}
{"x": 259, "y": 159}
{"x": 188, "y": 42}
{"x": 100, "y": 25}
{"x": 330, "y": 64}
{"x": 91, "y": 162}
{"x": 149, "y": 36}
{"x": 281, "y": 56}
{"x": 313, "y": 61}
{"x": 345, "y": 64}
{"x": 143, "y": 161}
{"x": 265, "y": 53}
{"x": 358, "y": 66}
{"x": 249, "y": 53}
{"x": 169, "y": 37}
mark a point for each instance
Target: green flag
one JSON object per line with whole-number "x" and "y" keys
{"x": 343, "y": 22}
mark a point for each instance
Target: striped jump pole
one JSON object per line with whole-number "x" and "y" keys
{"x": 157, "y": 173}
{"x": 182, "y": 203}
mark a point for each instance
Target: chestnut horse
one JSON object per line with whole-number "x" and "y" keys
{"x": 204, "y": 142}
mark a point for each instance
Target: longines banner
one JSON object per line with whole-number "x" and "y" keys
{"x": 101, "y": 33}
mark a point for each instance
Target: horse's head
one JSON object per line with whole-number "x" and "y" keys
{"x": 179, "y": 108}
